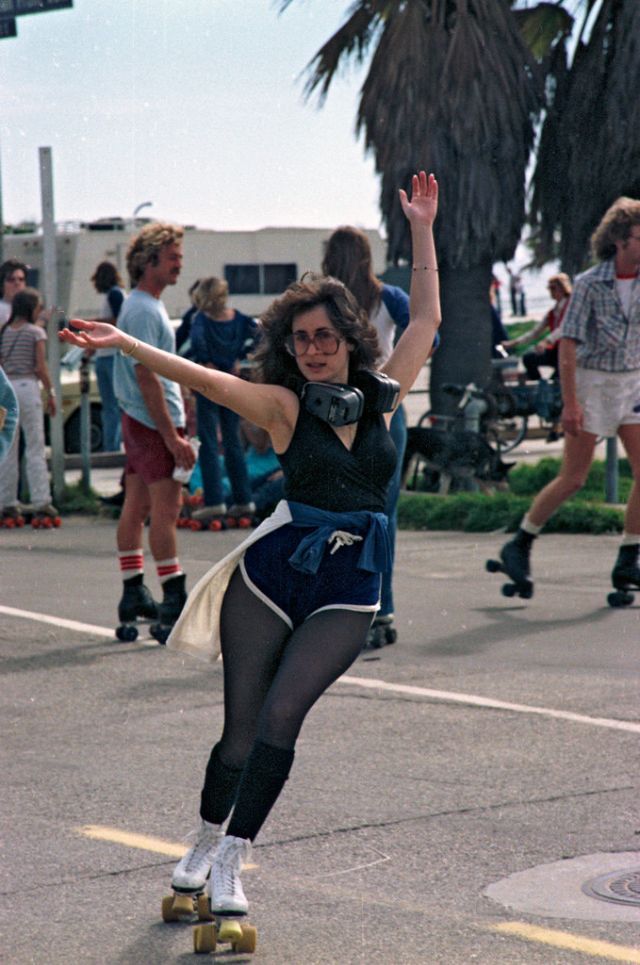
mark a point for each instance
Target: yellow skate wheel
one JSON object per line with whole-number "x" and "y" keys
{"x": 248, "y": 941}
{"x": 167, "y": 908}
{"x": 204, "y": 909}
{"x": 183, "y": 907}
{"x": 230, "y": 931}
{"x": 204, "y": 939}
{"x": 178, "y": 908}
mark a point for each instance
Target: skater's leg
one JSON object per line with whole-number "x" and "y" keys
{"x": 630, "y": 437}
{"x": 165, "y": 496}
{"x": 253, "y": 638}
{"x": 576, "y": 462}
{"x": 317, "y": 653}
{"x": 626, "y": 570}
{"x": 207, "y": 419}
{"x": 234, "y": 459}
{"x": 398, "y": 432}
{"x": 135, "y": 509}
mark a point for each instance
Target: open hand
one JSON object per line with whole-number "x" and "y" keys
{"x": 423, "y": 206}
{"x": 92, "y": 335}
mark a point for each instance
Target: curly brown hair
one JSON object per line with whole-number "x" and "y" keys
{"x": 616, "y": 225}
{"x": 275, "y": 366}
{"x": 146, "y": 245}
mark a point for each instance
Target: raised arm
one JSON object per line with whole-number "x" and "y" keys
{"x": 268, "y": 406}
{"x": 413, "y": 349}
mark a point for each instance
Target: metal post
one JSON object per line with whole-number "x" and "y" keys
{"x": 50, "y": 294}
{"x": 85, "y": 426}
{"x": 611, "y": 471}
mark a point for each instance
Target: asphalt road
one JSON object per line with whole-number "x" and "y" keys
{"x": 450, "y": 818}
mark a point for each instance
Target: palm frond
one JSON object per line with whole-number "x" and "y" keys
{"x": 590, "y": 144}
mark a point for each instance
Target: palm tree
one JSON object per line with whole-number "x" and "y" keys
{"x": 458, "y": 87}
{"x": 453, "y": 88}
{"x": 589, "y": 151}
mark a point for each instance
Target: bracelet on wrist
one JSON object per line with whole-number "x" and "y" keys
{"x": 423, "y": 268}
{"x": 51, "y": 393}
{"x": 130, "y": 351}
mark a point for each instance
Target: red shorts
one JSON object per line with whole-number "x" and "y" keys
{"x": 147, "y": 455}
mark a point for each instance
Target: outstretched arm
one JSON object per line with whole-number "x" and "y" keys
{"x": 413, "y": 349}
{"x": 266, "y": 405}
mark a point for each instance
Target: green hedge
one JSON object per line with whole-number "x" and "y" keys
{"x": 480, "y": 513}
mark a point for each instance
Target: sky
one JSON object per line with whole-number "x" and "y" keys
{"x": 194, "y": 105}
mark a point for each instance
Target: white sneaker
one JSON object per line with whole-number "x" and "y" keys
{"x": 193, "y": 869}
{"x": 225, "y": 885}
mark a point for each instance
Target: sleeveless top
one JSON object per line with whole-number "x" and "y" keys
{"x": 320, "y": 471}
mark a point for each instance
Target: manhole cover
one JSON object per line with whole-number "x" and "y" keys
{"x": 622, "y": 887}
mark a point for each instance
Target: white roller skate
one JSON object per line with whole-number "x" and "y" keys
{"x": 228, "y": 905}
{"x": 190, "y": 877}
{"x": 227, "y": 895}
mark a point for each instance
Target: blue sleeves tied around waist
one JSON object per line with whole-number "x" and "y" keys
{"x": 375, "y": 556}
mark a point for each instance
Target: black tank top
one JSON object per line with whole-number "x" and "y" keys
{"x": 320, "y": 471}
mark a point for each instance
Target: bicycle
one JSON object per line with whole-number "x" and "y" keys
{"x": 465, "y": 450}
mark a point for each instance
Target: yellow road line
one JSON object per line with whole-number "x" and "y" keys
{"x": 573, "y": 943}
{"x": 145, "y": 842}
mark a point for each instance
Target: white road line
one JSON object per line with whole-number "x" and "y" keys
{"x": 472, "y": 700}
{"x": 59, "y": 622}
{"x": 370, "y": 683}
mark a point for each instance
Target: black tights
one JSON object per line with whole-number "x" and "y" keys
{"x": 272, "y": 678}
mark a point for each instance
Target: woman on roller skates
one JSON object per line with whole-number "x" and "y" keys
{"x": 599, "y": 367}
{"x": 296, "y": 599}
{"x": 22, "y": 356}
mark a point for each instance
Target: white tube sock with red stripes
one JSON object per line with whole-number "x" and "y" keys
{"x": 131, "y": 563}
{"x": 167, "y": 569}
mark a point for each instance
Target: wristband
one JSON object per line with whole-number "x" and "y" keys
{"x": 132, "y": 349}
{"x": 51, "y": 393}
{"x": 422, "y": 268}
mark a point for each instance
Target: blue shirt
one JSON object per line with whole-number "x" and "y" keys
{"x": 145, "y": 318}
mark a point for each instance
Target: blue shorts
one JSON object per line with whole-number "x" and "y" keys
{"x": 295, "y": 596}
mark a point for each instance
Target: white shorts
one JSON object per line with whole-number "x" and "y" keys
{"x": 608, "y": 399}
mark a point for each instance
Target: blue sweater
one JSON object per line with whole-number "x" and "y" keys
{"x": 221, "y": 343}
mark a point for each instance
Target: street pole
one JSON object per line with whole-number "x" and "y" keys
{"x": 50, "y": 293}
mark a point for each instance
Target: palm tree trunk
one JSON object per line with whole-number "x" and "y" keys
{"x": 464, "y": 354}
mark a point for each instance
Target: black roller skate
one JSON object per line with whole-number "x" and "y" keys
{"x": 136, "y": 606}
{"x": 174, "y": 598}
{"x": 514, "y": 561}
{"x": 625, "y": 576}
{"x": 381, "y": 633}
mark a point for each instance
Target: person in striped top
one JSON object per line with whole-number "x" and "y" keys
{"x": 22, "y": 356}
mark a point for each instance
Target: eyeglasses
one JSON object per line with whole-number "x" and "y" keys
{"x": 324, "y": 340}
